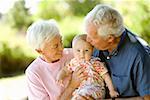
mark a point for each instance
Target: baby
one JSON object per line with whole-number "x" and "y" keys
{"x": 97, "y": 73}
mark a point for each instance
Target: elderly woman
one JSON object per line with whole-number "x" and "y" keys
{"x": 125, "y": 55}
{"x": 44, "y": 37}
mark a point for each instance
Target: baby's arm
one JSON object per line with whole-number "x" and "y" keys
{"x": 108, "y": 81}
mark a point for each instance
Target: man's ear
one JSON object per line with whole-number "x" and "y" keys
{"x": 38, "y": 51}
{"x": 111, "y": 39}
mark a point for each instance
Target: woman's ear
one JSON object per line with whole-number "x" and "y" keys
{"x": 38, "y": 51}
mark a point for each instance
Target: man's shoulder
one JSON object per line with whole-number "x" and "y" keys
{"x": 138, "y": 47}
{"x": 137, "y": 44}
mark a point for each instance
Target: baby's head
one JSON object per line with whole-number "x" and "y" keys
{"x": 82, "y": 49}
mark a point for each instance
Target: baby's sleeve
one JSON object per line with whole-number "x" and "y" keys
{"x": 100, "y": 67}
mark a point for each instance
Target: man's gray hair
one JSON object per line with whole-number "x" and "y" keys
{"x": 41, "y": 31}
{"x": 106, "y": 19}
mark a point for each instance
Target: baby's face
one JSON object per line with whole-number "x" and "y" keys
{"x": 82, "y": 50}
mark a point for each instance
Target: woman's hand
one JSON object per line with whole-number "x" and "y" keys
{"x": 78, "y": 76}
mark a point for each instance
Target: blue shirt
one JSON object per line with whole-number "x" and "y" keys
{"x": 129, "y": 66}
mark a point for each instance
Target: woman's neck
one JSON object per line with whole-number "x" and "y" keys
{"x": 49, "y": 60}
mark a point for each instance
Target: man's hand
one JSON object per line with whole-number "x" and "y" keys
{"x": 147, "y": 97}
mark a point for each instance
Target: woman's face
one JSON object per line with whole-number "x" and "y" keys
{"x": 52, "y": 50}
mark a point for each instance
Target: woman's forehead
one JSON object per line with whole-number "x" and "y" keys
{"x": 55, "y": 39}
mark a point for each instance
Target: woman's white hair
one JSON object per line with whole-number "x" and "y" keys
{"x": 106, "y": 19}
{"x": 41, "y": 31}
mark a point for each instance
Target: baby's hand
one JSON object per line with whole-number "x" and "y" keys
{"x": 60, "y": 82}
{"x": 113, "y": 93}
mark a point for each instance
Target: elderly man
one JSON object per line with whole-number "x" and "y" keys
{"x": 126, "y": 57}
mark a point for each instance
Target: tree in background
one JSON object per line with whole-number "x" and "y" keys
{"x": 137, "y": 16}
{"x": 48, "y": 9}
{"x": 144, "y": 21}
{"x": 81, "y": 7}
{"x": 18, "y": 16}
{"x": 59, "y": 9}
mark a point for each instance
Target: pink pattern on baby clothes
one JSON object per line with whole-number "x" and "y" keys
{"x": 94, "y": 85}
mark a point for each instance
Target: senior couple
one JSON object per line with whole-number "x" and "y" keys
{"x": 125, "y": 56}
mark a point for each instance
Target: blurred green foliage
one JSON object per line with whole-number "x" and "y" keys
{"x": 136, "y": 17}
{"x": 81, "y": 7}
{"x": 143, "y": 18}
{"x": 18, "y": 16}
{"x": 12, "y": 60}
{"x": 48, "y": 9}
{"x": 70, "y": 15}
{"x": 70, "y": 26}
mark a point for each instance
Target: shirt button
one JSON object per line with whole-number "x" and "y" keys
{"x": 108, "y": 57}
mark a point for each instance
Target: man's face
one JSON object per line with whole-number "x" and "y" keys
{"x": 96, "y": 40}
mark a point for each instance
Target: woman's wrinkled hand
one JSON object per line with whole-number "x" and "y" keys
{"x": 78, "y": 76}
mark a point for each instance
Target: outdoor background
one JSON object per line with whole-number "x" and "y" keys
{"x": 17, "y": 15}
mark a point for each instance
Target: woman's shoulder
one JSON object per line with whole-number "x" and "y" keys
{"x": 34, "y": 66}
